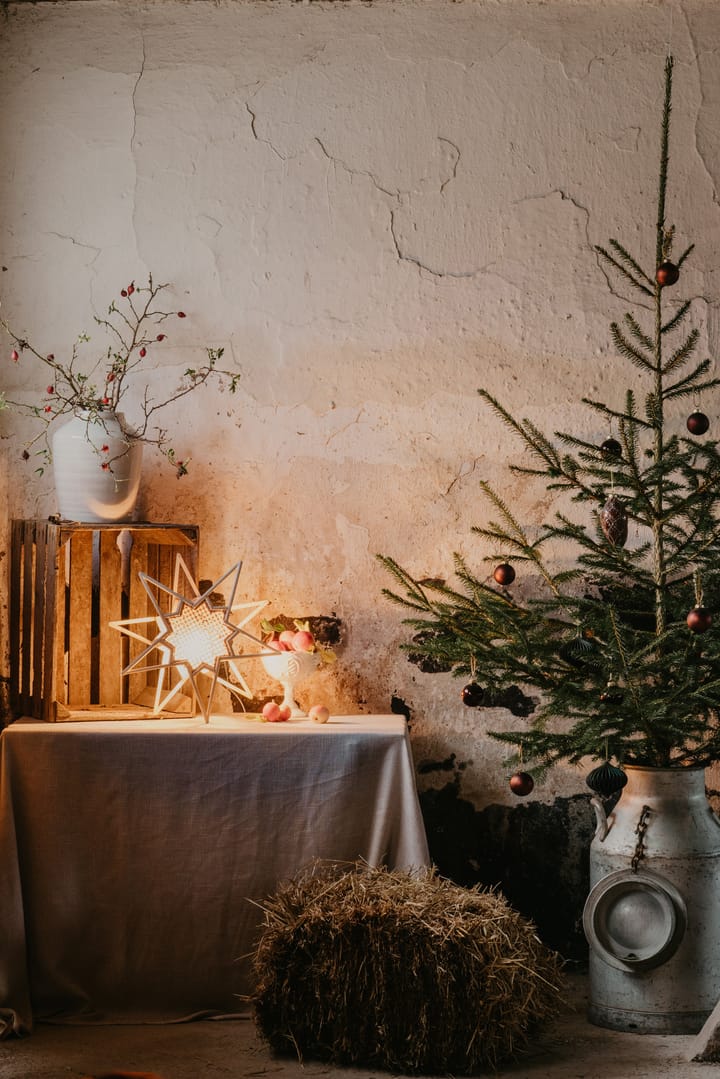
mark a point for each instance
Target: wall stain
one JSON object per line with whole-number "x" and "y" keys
{"x": 536, "y": 854}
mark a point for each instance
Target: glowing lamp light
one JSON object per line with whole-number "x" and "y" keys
{"x": 198, "y": 636}
{"x": 194, "y": 636}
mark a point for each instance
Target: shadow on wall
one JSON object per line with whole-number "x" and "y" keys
{"x": 536, "y": 853}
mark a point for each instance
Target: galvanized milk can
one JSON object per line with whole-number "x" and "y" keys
{"x": 652, "y": 918}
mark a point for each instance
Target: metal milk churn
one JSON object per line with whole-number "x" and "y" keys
{"x": 652, "y": 918}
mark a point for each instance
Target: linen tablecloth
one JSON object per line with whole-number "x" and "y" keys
{"x": 134, "y": 854}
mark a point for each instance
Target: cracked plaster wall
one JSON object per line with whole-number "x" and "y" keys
{"x": 375, "y": 209}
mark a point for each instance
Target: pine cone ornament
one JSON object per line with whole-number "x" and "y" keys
{"x": 614, "y": 522}
{"x": 606, "y": 780}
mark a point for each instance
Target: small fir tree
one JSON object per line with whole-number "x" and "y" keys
{"x": 620, "y": 645}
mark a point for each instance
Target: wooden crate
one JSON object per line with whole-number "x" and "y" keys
{"x": 67, "y": 581}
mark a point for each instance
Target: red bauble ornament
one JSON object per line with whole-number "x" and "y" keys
{"x": 611, "y": 449}
{"x": 504, "y": 573}
{"x": 614, "y": 522}
{"x": 697, "y": 423}
{"x": 521, "y": 784}
{"x": 472, "y": 695}
{"x": 667, "y": 273}
{"x": 699, "y": 619}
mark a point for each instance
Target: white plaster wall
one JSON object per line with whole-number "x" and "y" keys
{"x": 375, "y": 208}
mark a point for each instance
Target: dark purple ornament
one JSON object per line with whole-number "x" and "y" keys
{"x": 472, "y": 695}
{"x": 697, "y": 423}
{"x": 611, "y": 449}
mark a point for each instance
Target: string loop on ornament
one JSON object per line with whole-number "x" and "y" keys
{"x": 697, "y": 583}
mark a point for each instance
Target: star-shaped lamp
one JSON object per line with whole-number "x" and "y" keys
{"x": 194, "y": 637}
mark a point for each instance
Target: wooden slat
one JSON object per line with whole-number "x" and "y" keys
{"x": 17, "y": 534}
{"x": 38, "y": 656}
{"x": 139, "y": 607}
{"x": 111, "y": 592}
{"x": 49, "y": 690}
{"x": 27, "y": 624}
{"x": 79, "y": 637}
{"x": 60, "y": 629}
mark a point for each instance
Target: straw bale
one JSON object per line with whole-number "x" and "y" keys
{"x": 402, "y": 971}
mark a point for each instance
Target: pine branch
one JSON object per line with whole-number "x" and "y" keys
{"x": 677, "y": 318}
{"x": 631, "y": 263}
{"x": 684, "y": 255}
{"x": 652, "y": 411}
{"x": 640, "y": 336}
{"x": 664, "y": 159}
{"x": 622, "y": 270}
{"x": 629, "y": 351}
{"x": 611, "y": 413}
{"x": 688, "y": 383}
{"x": 681, "y": 354}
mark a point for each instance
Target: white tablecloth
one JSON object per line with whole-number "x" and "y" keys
{"x": 134, "y": 853}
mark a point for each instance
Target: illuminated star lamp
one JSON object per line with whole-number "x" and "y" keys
{"x": 194, "y": 637}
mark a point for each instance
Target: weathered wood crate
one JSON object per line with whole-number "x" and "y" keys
{"x": 67, "y": 582}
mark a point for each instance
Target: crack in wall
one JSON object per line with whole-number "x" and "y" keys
{"x": 453, "y": 175}
{"x": 356, "y": 172}
{"x": 133, "y": 96}
{"x": 346, "y": 427}
{"x": 76, "y": 243}
{"x": 424, "y": 266}
{"x": 701, "y": 88}
{"x": 265, "y": 142}
{"x": 466, "y": 469}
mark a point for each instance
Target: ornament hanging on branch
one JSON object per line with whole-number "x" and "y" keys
{"x": 579, "y": 651}
{"x": 612, "y": 694}
{"x": 472, "y": 695}
{"x": 522, "y": 784}
{"x": 504, "y": 574}
{"x": 611, "y": 449}
{"x": 699, "y": 619}
{"x": 614, "y": 522}
{"x": 697, "y": 423}
{"x": 607, "y": 779}
{"x": 666, "y": 274}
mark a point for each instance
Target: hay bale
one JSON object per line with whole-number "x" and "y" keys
{"x": 406, "y": 972}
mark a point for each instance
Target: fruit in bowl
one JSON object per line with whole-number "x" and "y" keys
{"x": 297, "y": 655}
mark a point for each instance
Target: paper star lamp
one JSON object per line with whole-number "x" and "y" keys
{"x": 194, "y": 637}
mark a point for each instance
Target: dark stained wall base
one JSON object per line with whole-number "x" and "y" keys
{"x": 537, "y": 854}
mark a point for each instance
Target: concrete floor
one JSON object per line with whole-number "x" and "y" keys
{"x": 572, "y": 1049}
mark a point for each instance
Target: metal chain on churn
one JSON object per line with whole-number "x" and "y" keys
{"x": 640, "y": 830}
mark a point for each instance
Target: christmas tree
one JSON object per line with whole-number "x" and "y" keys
{"x": 617, "y": 640}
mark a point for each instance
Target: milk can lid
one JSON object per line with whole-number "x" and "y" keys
{"x": 634, "y": 921}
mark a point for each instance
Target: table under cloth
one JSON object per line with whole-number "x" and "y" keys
{"x": 133, "y": 855}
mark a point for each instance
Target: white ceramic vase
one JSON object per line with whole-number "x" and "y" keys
{"x": 289, "y": 668}
{"x": 85, "y": 490}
